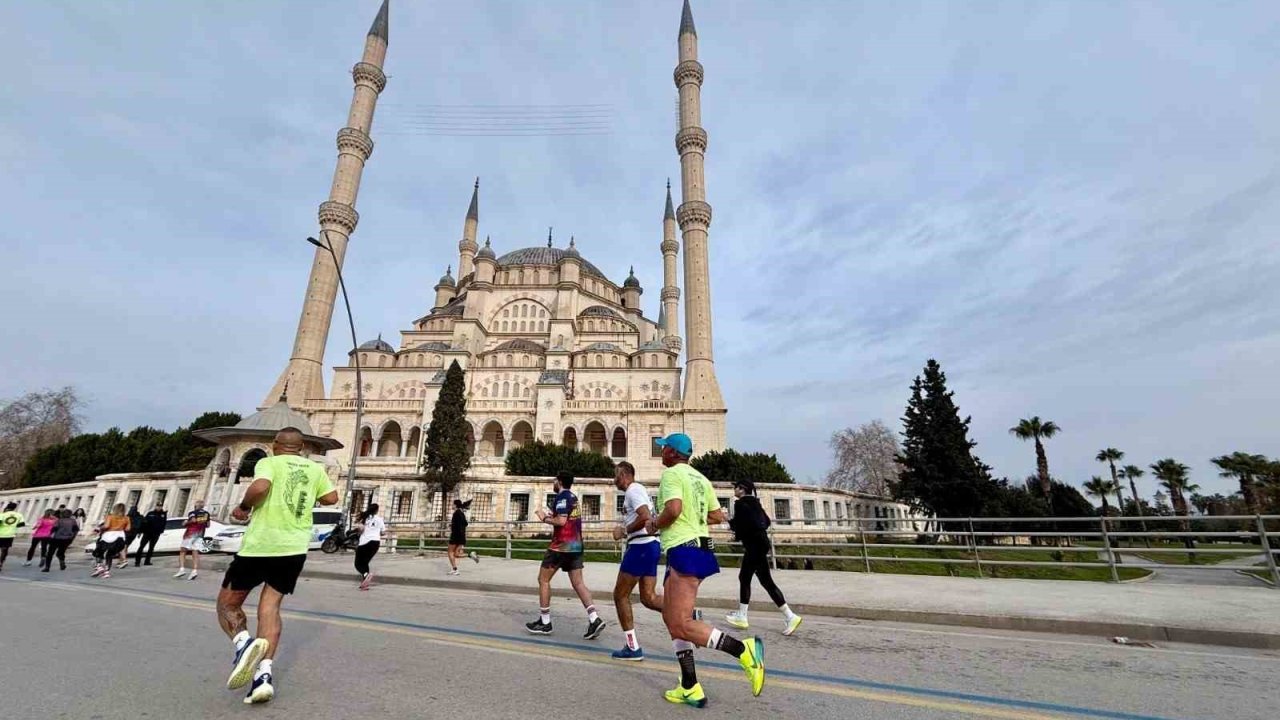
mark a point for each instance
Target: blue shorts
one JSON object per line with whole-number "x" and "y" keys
{"x": 641, "y": 559}
{"x": 694, "y": 561}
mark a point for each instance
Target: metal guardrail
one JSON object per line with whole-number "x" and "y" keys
{"x": 977, "y": 541}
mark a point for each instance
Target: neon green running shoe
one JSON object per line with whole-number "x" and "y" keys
{"x": 693, "y": 696}
{"x": 752, "y": 662}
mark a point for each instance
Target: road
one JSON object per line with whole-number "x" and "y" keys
{"x": 142, "y": 645}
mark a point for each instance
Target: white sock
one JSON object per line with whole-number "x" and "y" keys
{"x": 241, "y": 639}
{"x": 786, "y": 610}
{"x": 714, "y": 639}
{"x": 592, "y": 615}
{"x": 742, "y": 609}
{"x": 682, "y": 645}
{"x": 633, "y": 642}
{"x": 264, "y": 667}
{"x": 544, "y": 614}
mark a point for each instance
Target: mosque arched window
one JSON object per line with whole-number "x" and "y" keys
{"x": 506, "y": 389}
{"x": 509, "y": 361}
{"x": 526, "y": 392}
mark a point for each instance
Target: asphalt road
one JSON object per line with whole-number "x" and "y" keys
{"x": 143, "y": 646}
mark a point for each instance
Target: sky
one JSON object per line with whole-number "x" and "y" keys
{"x": 1072, "y": 206}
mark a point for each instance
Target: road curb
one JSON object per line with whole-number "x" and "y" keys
{"x": 1154, "y": 633}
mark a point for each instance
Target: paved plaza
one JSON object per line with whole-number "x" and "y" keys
{"x": 145, "y": 645}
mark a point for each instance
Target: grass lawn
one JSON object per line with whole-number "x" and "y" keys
{"x": 849, "y": 559}
{"x": 1246, "y": 550}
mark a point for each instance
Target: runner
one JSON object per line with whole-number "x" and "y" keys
{"x": 64, "y": 531}
{"x": 10, "y": 521}
{"x": 111, "y": 532}
{"x": 192, "y": 540}
{"x": 458, "y": 535}
{"x": 370, "y": 541}
{"x": 639, "y": 561}
{"x": 750, "y": 525}
{"x": 565, "y": 553}
{"x": 688, "y": 503}
{"x": 285, "y": 488}
{"x": 40, "y": 537}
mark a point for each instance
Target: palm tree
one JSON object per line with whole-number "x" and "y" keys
{"x": 1173, "y": 475}
{"x": 1132, "y": 473}
{"x": 1246, "y": 469}
{"x": 1110, "y": 456}
{"x": 1099, "y": 488}
{"x": 1033, "y": 428}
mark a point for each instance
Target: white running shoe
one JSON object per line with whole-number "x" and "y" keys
{"x": 97, "y": 570}
{"x": 26, "y": 564}
{"x": 180, "y": 573}
{"x": 737, "y": 620}
{"x": 453, "y": 572}
{"x": 474, "y": 556}
{"x": 193, "y": 575}
{"x": 792, "y": 625}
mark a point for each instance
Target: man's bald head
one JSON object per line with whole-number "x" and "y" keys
{"x": 288, "y": 442}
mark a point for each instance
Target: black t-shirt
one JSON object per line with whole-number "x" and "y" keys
{"x": 458, "y": 523}
{"x": 750, "y": 523}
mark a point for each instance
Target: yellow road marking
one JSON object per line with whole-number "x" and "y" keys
{"x": 586, "y": 658}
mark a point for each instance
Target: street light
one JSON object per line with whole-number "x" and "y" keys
{"x": 355, "y": 443}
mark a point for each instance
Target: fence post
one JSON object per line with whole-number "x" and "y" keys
{"x": 773, "y": 556}
{"x": 506, "y": 529}
{"x": 1271, "y": 559}
{"x": 422, "y": 540}
{"x": 862, "y": 539}
{"x": 973, "y": 543}
{"x": 1106, "y": 542}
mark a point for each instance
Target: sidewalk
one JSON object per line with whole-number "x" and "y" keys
{"x": 1230, "y": 616}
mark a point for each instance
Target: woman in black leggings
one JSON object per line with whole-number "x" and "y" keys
{"x": 750, "y": 524}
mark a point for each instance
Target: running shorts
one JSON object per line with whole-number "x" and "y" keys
{"x": 6, "y": 542}
{"x": 562, "y": 560}
{"x": 692, "y": 560}
{"x": 193, "y": 543}
{"x": 641, "y": 559}
{"x": 457, "y": 538}
{"x": 280, "y": 573}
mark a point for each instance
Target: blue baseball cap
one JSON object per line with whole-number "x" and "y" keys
{"x": 678, "y": 442}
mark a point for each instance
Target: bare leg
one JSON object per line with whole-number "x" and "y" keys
{"x": 680, "y": 594}
{"x": 453, "y": 557}
{"x": 182, "y": 558}
{"x": 195, "y": 562}
{"x": 649, "y": 596}
{"x": 269, "y": 622}
{"x": 231, "y": 611}
{"x": 622, "y": 600}
{"x": 544, "y": 586}
{"x": 579, "y": 586}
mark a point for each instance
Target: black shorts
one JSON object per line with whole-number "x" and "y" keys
{"x": 6, "y": 542}
{"x": 458, "y": 539}
{"x": 281, "y": 573}
{"x": 562, "y": 560}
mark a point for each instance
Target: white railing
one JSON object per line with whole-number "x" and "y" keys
{"x": 369, "y": 405}
{"x": 621, "y": 405}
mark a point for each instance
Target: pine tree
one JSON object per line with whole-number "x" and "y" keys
{"x": 448, "y": 458}
{"x": 940, "y": 474}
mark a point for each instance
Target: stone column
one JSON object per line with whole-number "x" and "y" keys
{"x": 669, "y": 333}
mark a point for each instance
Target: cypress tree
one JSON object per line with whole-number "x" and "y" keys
{"x": 940, "y": 474}
{"x": 447, "y": 457}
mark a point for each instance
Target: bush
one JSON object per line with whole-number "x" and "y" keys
{"x": 732, "y": 465}
{"x": 539, "y": 459}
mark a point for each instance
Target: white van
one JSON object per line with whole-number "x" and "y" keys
{"x": 323, "y": 520}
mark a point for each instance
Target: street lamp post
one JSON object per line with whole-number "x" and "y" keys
{"x": 355, "y": 443}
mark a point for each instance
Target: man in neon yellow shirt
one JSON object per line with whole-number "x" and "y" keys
{"x": 688, "y": 506}
{"x": 285, "y": 488}
{"x": 10, "y": 521}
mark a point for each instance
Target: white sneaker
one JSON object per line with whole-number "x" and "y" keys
{"x": 26, "y": 564}
{"x": 180, "y": 573}
{"x": 453, "y": 572}
{"x": 737, "y": 620}
{"x": 193, "y": 575}
{"x": 792, "y": 625}
{"x": 474, "y": 556}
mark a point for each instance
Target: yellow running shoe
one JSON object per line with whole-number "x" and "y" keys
{"x": 752, "y": 662}
{"x": 693, "y": 696}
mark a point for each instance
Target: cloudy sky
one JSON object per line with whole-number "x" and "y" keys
{"x": 1072, "y": 206}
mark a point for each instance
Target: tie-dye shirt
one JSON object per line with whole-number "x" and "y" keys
{"x": 567, "y": 538}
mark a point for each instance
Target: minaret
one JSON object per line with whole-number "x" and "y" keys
{"x": 338, "y": 219}
{"x": 701, "y": 389}
{"x": 467, "y": 246}
{"x": 668, "y": 316}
